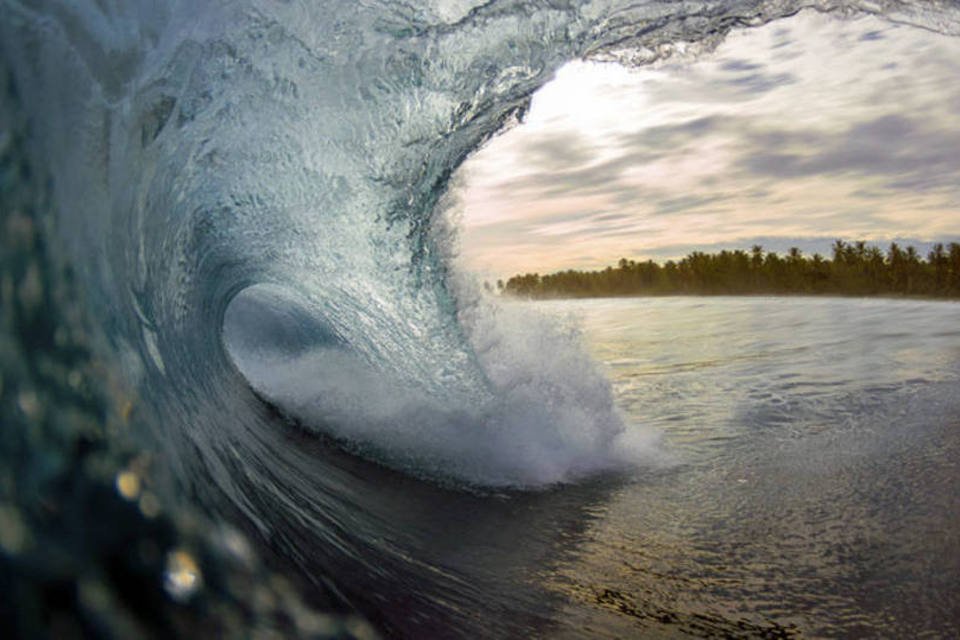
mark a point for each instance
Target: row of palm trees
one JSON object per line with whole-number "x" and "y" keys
{"x": 855, "y": 268}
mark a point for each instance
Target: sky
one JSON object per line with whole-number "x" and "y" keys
{"x": 793, "y": 134}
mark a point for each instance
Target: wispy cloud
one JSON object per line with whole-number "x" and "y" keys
{"x": 810, "y": 128}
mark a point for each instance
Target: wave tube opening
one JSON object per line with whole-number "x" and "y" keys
{"x": 543, "y": 415}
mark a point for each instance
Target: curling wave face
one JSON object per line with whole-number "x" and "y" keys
{"x": 542, "y": 413}
{"x": 250, "y": 196}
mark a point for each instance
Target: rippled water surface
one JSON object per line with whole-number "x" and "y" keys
{"x": 811, "y": 465}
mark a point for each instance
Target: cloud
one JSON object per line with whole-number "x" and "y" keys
{"x": 713, "y": 88}
{"x": 758, "y": 83}
{"x": 661, "y": 138}
{"x": 688, "y": 203}
{"x": 740, "y": 65}
{"x": 811, "y": 127}
{"x": 870, "y": 36}
{"x": 563, "y": 176}
{"x": 891, "y": 146}
{"x": 906, "y": 154}
{"x": 613, "y": 217}
{"x": 599, "y": 177}
{"x": 558, "y": 151}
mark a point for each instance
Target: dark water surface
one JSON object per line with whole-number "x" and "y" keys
{"x": 812, "y": 450}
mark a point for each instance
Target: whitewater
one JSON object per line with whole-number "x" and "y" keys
{"x": 227, "y": 271}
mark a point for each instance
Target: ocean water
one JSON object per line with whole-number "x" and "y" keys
{"x": 812, "y": 454}
{"x": 245, "y": 390}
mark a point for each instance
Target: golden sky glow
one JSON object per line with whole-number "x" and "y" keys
{"x": 795, "y": 133}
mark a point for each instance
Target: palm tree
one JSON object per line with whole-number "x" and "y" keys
{"x": 839, "y": 251}
{"x": 955, "y": 267}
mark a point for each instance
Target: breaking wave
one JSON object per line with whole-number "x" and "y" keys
{"x": 250, "y": 198}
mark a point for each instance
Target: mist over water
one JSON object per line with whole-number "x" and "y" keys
{"x": 205, "y": 206}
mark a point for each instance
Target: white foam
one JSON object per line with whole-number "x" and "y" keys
{"x": 548, "y": 415}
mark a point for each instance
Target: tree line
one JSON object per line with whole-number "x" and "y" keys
{"x": 855, "y": 269}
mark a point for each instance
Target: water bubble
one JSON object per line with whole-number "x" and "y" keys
{"x": 29, "y": 404}
{"x": 182, "y": 577}
{"x": 128, "y": 484}
{"x": 237, "y": 546}
{"x": 360, "y": 629}
{"x": 149, "y": 505}
{"x": 13, "y": 533}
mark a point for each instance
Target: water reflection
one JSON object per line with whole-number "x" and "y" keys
{"x": 813, "y": 493}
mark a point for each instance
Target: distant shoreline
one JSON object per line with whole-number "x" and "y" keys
{"x": 854, "y": 296}
{"x": 854, "y": 271}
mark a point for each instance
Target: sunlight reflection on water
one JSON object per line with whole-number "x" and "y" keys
{"x": 814, "y": 495}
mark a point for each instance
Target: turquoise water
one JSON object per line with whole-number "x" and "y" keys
{"x": 810, "y": 464}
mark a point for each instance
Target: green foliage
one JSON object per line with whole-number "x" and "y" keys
{"x": 854, "y": 269}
